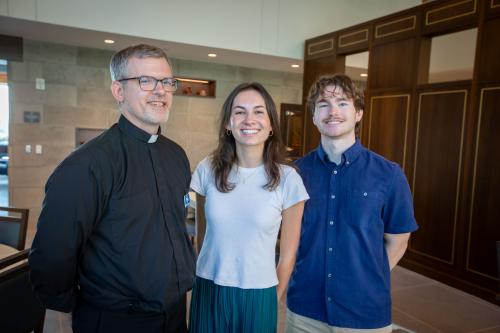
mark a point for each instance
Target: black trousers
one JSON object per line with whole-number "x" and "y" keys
{"x": 89, "y": 319}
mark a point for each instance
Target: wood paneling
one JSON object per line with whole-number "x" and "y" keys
{"x": 388, "y": 126}
{"x": 493, "y": 9}
{"x": 396, "y": 26}
{"x": 489, "y": 64}
{"x": 320, "y": 46}
{"x": 353, "y": 40}
{"x": 446, "y": 15}
{"x": 392, "y": 65}
{"x": 484, "y": 226}
{"x": 436, "y": 173}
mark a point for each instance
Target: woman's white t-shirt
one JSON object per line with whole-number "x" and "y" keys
{"x": 243, "y": 224}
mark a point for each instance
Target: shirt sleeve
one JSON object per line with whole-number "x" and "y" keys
{"x": 199, "y": 178}
{"x": 398, "y": 214}
{"x": 293, "y": 189}
{"x": 69, "y": 211}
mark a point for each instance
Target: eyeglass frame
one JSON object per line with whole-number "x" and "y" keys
{"x": 138, "y": 78}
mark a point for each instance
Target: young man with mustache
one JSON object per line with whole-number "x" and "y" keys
{"x": 356, "y": 223}
{"x": 111, "y": 245}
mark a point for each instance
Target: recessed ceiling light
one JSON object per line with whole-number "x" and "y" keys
{"x": 212, "y": 55}
{"x": 109, "y": 41}
{"x": 363, "y": 75}
{"x": 295, "y": 66}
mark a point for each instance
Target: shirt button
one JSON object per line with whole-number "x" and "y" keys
{"x": 347, "y": 162}
{"x": 331, "y": 222}
{"x": 329, "y": 275}
{"x": 334, "y": 172}
{"x": 329, "y": 299}
{"x": 330, "y": 249}
{"x": 365, "y": 194}
{"x": 333, "y": 196}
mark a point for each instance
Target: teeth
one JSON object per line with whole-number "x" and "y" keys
{"x": 156, "y": 103}
{"x": 249, "y": 131}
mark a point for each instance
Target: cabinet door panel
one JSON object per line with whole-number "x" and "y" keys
{"x": 388, "y": 126}
{"x": 484, "y": 226}
{"x": 437, "y": 168}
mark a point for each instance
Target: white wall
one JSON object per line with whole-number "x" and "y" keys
{"x": 271, "y": 27}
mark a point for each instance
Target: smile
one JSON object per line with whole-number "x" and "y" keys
{"x": 333, "y": 121}
{"x": 157, "y": 103}
{"x": 249, "y": 131}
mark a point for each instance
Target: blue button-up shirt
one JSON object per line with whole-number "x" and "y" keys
{"x": 342, "y": 274}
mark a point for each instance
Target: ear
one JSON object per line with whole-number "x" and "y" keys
{"x": 359, "y": 115}
{"x": 229, "y": 125}
{"x": 314, "y": 118}
{"x": 117, "y": 91}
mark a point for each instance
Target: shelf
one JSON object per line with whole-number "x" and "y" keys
{"x": 195, "y": 87}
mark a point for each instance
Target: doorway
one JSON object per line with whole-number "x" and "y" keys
{"x": 292, "y": 123}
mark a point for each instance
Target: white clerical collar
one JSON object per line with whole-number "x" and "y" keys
{"x": 153, "y": 138}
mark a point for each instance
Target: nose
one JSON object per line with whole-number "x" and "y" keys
{"x": 249, "y": 117}
{"x": 334, "y": 109}
{"x": 159, "y": 88}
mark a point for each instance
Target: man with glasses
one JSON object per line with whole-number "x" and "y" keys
{"x": 355, "y": 226}
{"x": 111, "y": 244}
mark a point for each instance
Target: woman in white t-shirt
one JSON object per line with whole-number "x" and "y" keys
{"x": 245, "y": 190}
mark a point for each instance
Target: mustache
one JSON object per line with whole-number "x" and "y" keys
{"x": 333, "y": 118}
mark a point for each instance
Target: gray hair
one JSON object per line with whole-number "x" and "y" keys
{"x": 119, "y": 61}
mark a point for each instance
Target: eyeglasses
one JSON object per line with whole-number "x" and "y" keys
{"x": 149, "y": 83}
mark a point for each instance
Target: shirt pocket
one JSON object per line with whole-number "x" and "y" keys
{"x": 365, "y": 209}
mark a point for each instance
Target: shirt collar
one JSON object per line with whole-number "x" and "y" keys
{"x": 348, "y": 156}
{"x": 130, "y": 129}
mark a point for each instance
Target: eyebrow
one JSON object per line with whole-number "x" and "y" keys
{"x": 241, "y": 107}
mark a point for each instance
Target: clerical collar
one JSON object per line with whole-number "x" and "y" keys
{"x": 130, "y": 129}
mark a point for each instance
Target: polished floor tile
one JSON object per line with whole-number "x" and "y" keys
{"x": 444, "y": 309}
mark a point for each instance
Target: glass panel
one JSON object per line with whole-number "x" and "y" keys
{"x": 356, "y": 66}
{"x": 452, "y": 56}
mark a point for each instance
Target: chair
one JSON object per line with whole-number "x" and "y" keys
{"x": 20, "y": 310}
{"x": 13, "y": 228}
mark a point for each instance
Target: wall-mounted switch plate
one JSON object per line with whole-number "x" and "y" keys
{"x": 40, "y": 84}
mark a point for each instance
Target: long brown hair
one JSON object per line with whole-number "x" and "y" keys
{"x": 224, "y": 156}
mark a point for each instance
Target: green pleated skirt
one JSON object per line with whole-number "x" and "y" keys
{"x": 219, "y": 309}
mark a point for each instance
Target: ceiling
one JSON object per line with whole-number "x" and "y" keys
{"x": 95, "y": 39}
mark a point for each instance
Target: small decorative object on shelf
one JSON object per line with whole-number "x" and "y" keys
{"x": 195, "y": 87}
{"x": 187, "y": 90}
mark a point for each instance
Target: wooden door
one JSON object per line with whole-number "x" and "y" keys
{"x": 291, "y": 121}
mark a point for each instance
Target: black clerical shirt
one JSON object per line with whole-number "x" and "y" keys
{"x": 111, "y": 231}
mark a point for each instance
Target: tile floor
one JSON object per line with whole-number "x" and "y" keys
{"x": 420, "y": 305}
